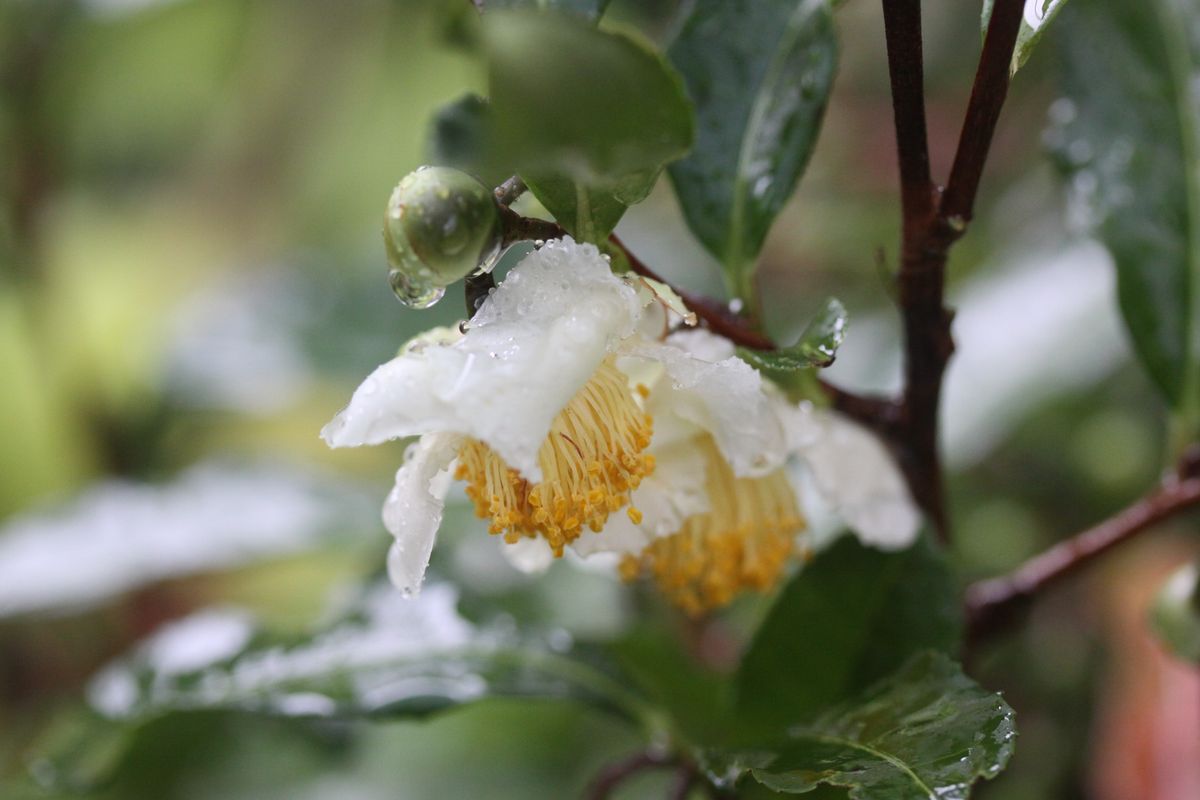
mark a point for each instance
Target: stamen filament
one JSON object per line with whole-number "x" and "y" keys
{"x": 741, "y": 544}
{"x": 591, "y": 460}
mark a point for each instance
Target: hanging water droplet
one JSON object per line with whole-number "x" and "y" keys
{"x": 488, "y": 259}
{"x": 414, "y": 292}
{"x": 440, "y": 225}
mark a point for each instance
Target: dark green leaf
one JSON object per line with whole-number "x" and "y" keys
{"x": 696, "y": 698}
{"x": 759, "y": 73}
{"x": 458, "y": 137}
{"x": 570, "y": 99}
{"x": 925, "y": 733}
{"x": 591, "y": 9}
{"x": 1127, "y": 135}
{"x": 816, "y": 347}
{"x": 1037, "y": 18}
{"x": 1176, "y": 615}
{"x": 849, "y": 618}
{"x": 587, "y": 117}
{"x": 388, "y": 656}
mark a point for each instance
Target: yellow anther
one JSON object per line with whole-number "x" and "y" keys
{"x": 591, "y": 459}
{"x": 742, "y": 543}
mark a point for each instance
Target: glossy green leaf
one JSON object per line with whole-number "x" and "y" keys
{"x": 927, "y": 732}
{"x": 568, "y": 98}
{"x": 846, "y": 620}
{"x": 759, "y": 73}
{"x": 816, "y": 347}
{"x": 587, "y": 117}
{"x": 1176, "y": 613}
{"x": 1037, "y": 18}
{"x": 458, "y": 137}
{"x": 590, "y": 9}
{"x": 386, "y": 656}
{"x": 1126, "y": 134}
{"x": 696, "y": 698}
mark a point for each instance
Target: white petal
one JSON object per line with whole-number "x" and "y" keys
{"x": 413, "y": 509}
{"x": 620, "y": 535}
{"x": 666, "y": 497}
{"x": 853, "y": 469}
{"x": 531, "y": 556}
{"x": 531, "y": 346}
{"x": 703, "y": 344}
{"x": 725, "y": 398}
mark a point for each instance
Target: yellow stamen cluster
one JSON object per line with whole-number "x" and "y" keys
{"x": 591, "y": 460}
{"x": 742, "y": 544}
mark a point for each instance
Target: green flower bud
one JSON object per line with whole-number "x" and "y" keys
{"x": 441, "y": 225}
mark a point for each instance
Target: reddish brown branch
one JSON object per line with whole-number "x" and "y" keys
{"x": 983, "y": 110}
{"x": 993, "y": 603}
{"x": 902, "y": 24}
{"x": 930, "y": 228}
{"x": 717, "y": 316}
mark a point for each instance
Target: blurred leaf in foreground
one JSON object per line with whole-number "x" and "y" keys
{"x": 388, "y": 655}
{"x": 120, "y": 535}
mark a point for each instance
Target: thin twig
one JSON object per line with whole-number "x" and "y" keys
{"x": 508, "y": 192}
{"x": 613, "y": 775}
{"x": 518, "y": 228}
{"x": 993, "y": 603}
{"x": 983, "y": 110}
{"x": 686, "y": 778}
{"x": 902, "y": 24}
{"x": 716, "y": 315}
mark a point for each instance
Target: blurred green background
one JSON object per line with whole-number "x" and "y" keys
{"x": 192, "y": 282}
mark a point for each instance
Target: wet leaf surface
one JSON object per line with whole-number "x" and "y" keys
{"x": 926, "y": 732}
{"x": 759, "y": 73}
{"x": 1128, "y": 72}
{"x": 816, "y": 347}
{"x": 846, "y": 620}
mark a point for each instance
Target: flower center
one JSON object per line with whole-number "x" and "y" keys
{"x": 590, "y": 462}
{"x": 742, "y": 544}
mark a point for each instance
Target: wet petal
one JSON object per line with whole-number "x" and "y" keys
{"x": 665, "y": 498}
{"x": 533, "y": 344}
{"x": 531, "y": 556}
{"x": 724, "y": 397}
{"x": 413, "y": 510}
{"x": 855, "y": 472}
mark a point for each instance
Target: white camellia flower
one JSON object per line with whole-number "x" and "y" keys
{"x": 722, "y": 530}
{"x": 540, "y": 408}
